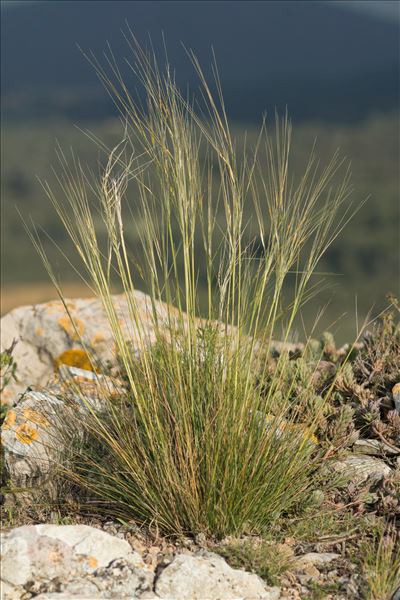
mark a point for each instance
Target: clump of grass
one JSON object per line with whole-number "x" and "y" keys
{"x": 381, "y": 563}
{"x": 196, "y": 444}
{"x": 266, "y": 559}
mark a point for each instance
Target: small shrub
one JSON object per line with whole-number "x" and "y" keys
{"x": 366, "y": 384}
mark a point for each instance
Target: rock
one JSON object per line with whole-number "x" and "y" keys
{"x": 77, "y": 559}
{"x": 44, "y": 332}
{"x": 10, "y": 592}
{"x": 30, "y": 441}
{"x": 46, "y": 337}
{"x": 362, "y": 468}
{"x": 27, "y": 439}
{"x": 305, "y": 567}
{"x": 190, "y": 577}
{"x": 396, "y": 595}
{"x": 374, "y": 448}
{"x": 316, "y": 558}
{"x": 119, "y": 580}
{"x": 85, "y": 388}
{"x": 69, "y": 596}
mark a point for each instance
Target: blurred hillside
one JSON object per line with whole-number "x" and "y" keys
{"x": 363, "y": 263}
{"x": 316, "y": 58}
{"x": 336, "y": 70}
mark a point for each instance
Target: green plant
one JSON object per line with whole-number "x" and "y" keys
{"x": 266, "y": 559}
{"x": 8, "y": 366}
{"x": 381, "y": 563}
{"x": 365, "y": 385}
{"x": 199, "y": 442}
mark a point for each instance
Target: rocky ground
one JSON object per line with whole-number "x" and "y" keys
{"x": 343, "y": 545}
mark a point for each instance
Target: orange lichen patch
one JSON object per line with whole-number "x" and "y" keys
{"x": 35, "y": 417}
{"x": 92, "y": 561}
{"x": 10, "y": 419}
{"x": 98, "y": 338}
{"x": 74, "y": 330}
{"x": 82, "y": 379}
{"x": 39, "y": 331}
{"x": 26, "y": 434}
{"x": 310, "y": 437}
{"x": 54, "y": 304}
{"x": 55, "y": 557}
{"x": 396, "y": 389}
{"x": 76, "y": 357}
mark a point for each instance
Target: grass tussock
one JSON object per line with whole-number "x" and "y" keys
{"x": 381, "y": 563}
{"x": 204, "y": 439}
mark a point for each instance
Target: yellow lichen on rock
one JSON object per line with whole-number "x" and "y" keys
{"x": 75, "y": 357}
{"x": 35, "y": 417}
{"x": 26, "y": 434}
{"x": 98, "y": 338}
{"x": 74, "y": 330}
{"x": 93, "y": 562}
{"x": 284, "y": 426}
{"x": 10, "y": 419}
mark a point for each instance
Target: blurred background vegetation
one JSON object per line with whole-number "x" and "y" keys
{"x": 333, "y": 65}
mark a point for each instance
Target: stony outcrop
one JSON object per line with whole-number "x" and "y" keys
{"x": 30, "y": 434}
{"x": 77, "y": 561}
{"x": 46, "y": 337}
{"x": 44, "y": 332}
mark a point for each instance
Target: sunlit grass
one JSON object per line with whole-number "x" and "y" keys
{"x": 381, "y": 563}
{"x": 197, "y": 443}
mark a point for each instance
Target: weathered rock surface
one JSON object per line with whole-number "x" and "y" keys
{"x": 30, "y": 436}
{"x": 44, "y": 332}
{"x": 28, "y": 439}
{"x": 34, "y": 555}
{"x": 362, "y": 468}
{"x": 317, "y": 558}
{"x": 77, "y": 561}
{"x": 209, "y": 577}
{"x": 375, "y": 448}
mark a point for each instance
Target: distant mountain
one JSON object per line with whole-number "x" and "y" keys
{"x": 320, "y": 60}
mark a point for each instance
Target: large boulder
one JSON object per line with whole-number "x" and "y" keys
{"x": 44, "y": 332}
